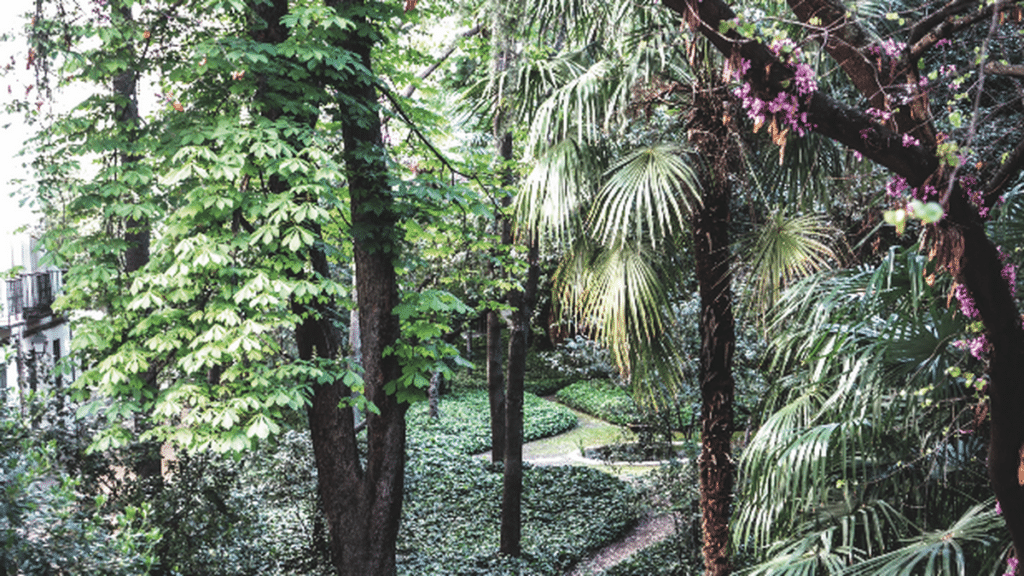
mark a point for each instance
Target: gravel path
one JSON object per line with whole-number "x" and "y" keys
{"x": 564, "y": 449}
{"x": 650, "y": 530}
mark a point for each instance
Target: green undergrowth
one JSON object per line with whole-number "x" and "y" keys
{"x": 465, "y": 421}
{"x": 603, "y": 399}
{"x": 451, "y": 515}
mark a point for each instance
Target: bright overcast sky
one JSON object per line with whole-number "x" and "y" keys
{"x": 14, "y": 130}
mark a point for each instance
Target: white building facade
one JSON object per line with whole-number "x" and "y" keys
{"x": 34, "y": 338}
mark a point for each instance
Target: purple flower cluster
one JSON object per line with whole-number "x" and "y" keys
{"x": 909, "y": 141}
{"x": 976, "y": 197}
{"x": 1011, "y": 567}
{"x": 967, "y": 306}
{"x": 896, "y": 186}
{"x": 881, "y": 115}
{"x": 892, "y": 48}
{"x": 785, "y": 106}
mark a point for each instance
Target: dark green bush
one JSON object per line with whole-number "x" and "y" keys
{"x": 603, "y": 399}
{"x": 47, "y": 524}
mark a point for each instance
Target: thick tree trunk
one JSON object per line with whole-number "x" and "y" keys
{"x": 710, "y": 138}
{"x": 361, "y": 503}
{"x": 363, "y": 507}
{"x": 512, "y": 489}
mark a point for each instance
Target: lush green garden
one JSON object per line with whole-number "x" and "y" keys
{"x": 787, "y": 231}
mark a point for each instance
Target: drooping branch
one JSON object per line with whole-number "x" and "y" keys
{"x": 426, "y": 72}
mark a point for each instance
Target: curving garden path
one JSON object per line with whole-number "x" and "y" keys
{"x": 566, "y": 449}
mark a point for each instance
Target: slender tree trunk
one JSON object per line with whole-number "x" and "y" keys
{"x": 512, "y": 488}
{"x": 495, "y": 386}
{"x": 710, "y": 139}
{"x": 147, "y": 465}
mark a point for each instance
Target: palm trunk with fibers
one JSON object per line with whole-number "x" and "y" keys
{"x": 710, "y": 139}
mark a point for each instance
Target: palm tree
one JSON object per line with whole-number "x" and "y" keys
{"x": 620, "y": 225}
{"x": 872, "y": 457}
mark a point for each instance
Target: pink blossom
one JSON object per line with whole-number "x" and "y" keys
{"x": 999, "y": 508}
{"x": 967, "y": 306}
{"x": 896, "y": 186}
{"x": 804, "y": 80}
{"x": 882, "y": 115}
{"x": 893, "y": 48}
{"x": 978, "y": 346}
{"x": 1009, "y": 273}
{"x": 909, "y": 141}
{"x": 943, "y": 42}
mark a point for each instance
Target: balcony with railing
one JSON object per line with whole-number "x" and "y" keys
{"x": 31, "y": 295}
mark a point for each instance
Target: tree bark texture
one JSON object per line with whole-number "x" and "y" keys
{"x": 495, "y": 386}
{"x": 363, "y": 505}
{"x": 501, "y": 53}
{"x": 710, "y": 139}
{"x": 519, "y": 332}
{"x": 958, "y": 242}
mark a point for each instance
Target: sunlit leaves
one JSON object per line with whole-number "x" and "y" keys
{"x": 647, "y": 195}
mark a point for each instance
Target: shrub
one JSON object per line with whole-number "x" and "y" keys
{"x": 46, "y": 525}
{"x": 603, "y": 399}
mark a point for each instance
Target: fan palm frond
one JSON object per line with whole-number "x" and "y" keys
{"x": 941, "y": 551}
{"x": 784, "y": 249}
{"x": 576, "y": 108}
{"x": 649, "y": 195}
{"x": 561, "y": 184}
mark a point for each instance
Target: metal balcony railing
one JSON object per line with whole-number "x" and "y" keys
{"x": 31, "y": 295}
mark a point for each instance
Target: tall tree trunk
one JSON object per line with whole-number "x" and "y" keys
{"x": 710, "y": 139}
{"x": 519, "y": 332}
{"x": 147, "y": 464}
{"x": 363, "y": 505}
{"x": 501, "y": 52}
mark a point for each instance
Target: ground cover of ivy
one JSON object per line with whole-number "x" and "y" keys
{"x": 451, "y": 513}
{"x": 465, "y": 422}
{"x": 603, "y": 399}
